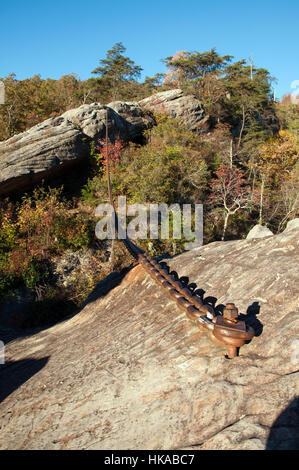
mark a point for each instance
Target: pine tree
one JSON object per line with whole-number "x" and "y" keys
{"x": 117, "y": 72}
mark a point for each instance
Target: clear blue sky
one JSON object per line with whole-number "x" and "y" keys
{"x": 57, "y": 37}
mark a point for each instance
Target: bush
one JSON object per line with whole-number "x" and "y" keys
{"x": 32, "y": 232}
{"x": 170, "y": 168}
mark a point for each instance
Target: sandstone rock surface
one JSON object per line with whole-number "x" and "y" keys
{"x": 187, "y": 109}
{"x": 53, "y": 146}
{"x": 131, "y": 371}
{"x": 259, "y": 231}
{"x": 292, "y": 224}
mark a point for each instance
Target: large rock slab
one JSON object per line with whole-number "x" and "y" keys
{"x": 130, "y": 371}
{"x": 50, "y": 148}
{"x": 188, "y": 109}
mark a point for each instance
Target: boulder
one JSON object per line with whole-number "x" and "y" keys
{"x": 126, "y": 120}
{"x": 292, "y": 224}
{"x": 188, "y": 109}
{"x": 43, "y": 151}
{"x": 131, "y": 371}
{"x": 50, "y": 148}
{"x": 259, "y": 231}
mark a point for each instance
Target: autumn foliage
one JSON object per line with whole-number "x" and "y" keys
{"x": 229, "y": 187}
{"x": 278, "y": 156}
{"x": 111, "y": 150}
{"x": 244, "y": 169}
{"x": 32, "y": 233}
{"x": 230, "y": 190}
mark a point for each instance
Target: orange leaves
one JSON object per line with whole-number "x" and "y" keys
{"x": 113, "y": 149}
{"x": 40, "y": 227}
{"x": 278, "y": 156}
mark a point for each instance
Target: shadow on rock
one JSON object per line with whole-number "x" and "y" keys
{"x": 106, "y": 285}
{"x": 8, "y": 334}
{"x": 252, "y": 311}
{"x": 192, "y": 287}
{"x": 251, "y": 318}
{"x": 284, "y": 433}
{"x": 14, "y": 374}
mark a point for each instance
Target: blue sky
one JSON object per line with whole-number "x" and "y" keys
{"x": 54, "y": 38}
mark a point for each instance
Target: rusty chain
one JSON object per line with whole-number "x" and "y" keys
{"x": 228, "y": 329}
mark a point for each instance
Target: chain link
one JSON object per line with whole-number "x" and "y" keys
{"x": 227, "y": 328}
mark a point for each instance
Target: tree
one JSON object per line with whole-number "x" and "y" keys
{"x": 230, "y": 191}
{"x": 117, "y": 71}
{"x": 112, "y": 150}
{"x": 277, "y": 158}
{"x": 31, "y": 101}
{"x": 288, "y": 114}
{"x": 248, "y": 95}
{"x": 289, "y": 199}
{"x": 196, "y": 66}
{"x": 199, "y": 73}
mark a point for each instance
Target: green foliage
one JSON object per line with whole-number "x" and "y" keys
{"x": 30, "y": 101}
{"x": 92, "y": 191}
{"x": 117, "y": 71}
{"x": 195, "y": 67}
{"x": 175, "y": 165}
{"x": 248, "y": 91}
{"x": 32, "y": 232}
{"x": 170, "y": 168}
{"x": 288, "y": 114}
{"x": 116, "y": 66}
{"x": 199, "y": 73}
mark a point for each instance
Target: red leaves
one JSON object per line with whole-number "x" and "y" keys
{"x": 229, "y": 188}
{"x": 114, "y": 150}
{"x": 230, "y": 191}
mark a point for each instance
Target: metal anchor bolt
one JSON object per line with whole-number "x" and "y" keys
{"x": 231, "y": 313}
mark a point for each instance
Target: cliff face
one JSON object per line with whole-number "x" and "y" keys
{"x": 131, "y": 371}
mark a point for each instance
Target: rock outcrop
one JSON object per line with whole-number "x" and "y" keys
{"x": 186, "y": 108}
{"x": 50, "y": 148}
{"x": 292, "y": 224}
{"x": 259, "y": 231}
{"x": 131, "y": 371}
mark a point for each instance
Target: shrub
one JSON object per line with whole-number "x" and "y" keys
{"x": 32, "y": 232}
